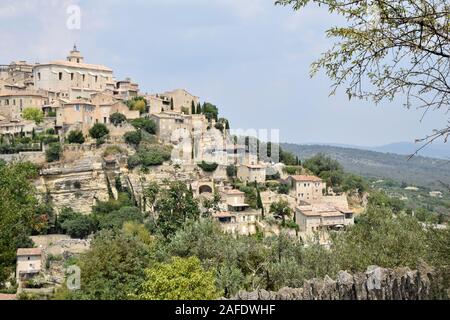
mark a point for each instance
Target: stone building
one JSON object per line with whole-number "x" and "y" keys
{"x": 83, "y": 114}
{"x": 306, "y": 188}
{"x": 14, "y": 102}
{"x": 17, "y": 127}
{"x": 237, "y": 218}
{"x": 126, "y": 89}
{"x": 73, "y": 78}
{"x": 252, "y": 173}
{"x": 322, "y": 217}
{"x": 29, "y": 263}
{"x": 181, "y": 98}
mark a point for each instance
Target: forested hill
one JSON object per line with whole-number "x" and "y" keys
{"x": 420, "y": 171}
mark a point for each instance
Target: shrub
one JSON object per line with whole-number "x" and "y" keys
{"x": 76, "y": 137}
{"x": 117, "y": 118}
{"x": 283, "y": 188}
{"x": 98, "y": 131}
{"x": 75, "y": 224}
{"x": 147, "y": 125}
{"x": 48, "y": 139}
{"x": 113, "y": 150}
{"x": 33, "y": 114}
{"x": 180, "y": 279}
{"x": 134, "y": 161}
{"x": 208, "y": 167}
{"x": 53, "y": 153}
{"x": 137, "y": 104}
{"x": 231, "y": 171}
{"x": 133, "y": 138}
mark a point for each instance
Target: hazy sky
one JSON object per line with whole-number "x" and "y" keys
{"x": 249, "y": 57}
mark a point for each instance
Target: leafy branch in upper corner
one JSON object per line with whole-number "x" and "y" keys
{"x": 390, "y": 48}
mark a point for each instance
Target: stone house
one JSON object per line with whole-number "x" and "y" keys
{"x": 29, "y": 263}
{"x": 83, "y": 114}
{"x": 181, "y": 98}
{"x": 13, "y": 102}
{"x": 17, "y": 127}
{"x": 73, "y": 77}
{"x": 321, "y": 217}
{"x": 306, "y": 188}
{"x": 126, "y": 89}
{"x": 252, "y": 173}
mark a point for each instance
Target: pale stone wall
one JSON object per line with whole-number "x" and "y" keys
{"x": 309, "y": 191}
{"x": 77, "y": 188}
{"x": 25, "y": 264}
{"x": 375, "y": 284}
{"x": 37, "y": 158}
{"x": 181, "y": 98}
{"x": 12, "y": 105}
{"x": 61, "y": 76}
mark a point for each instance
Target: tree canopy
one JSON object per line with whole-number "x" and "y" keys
{"x": 33, "y": 114}
{"x": 180, "y": 279}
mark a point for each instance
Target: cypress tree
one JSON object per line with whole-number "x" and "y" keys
{"x": 199, "y": 108}
{"x": 259, "y": 200}
{"x": 192, "y": 107}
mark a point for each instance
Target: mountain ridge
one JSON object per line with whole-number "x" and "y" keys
{"x": 420, "y": 171}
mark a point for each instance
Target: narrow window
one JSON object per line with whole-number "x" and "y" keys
{"x": 71, "y": 76}
{"x": 39, "y": 76}
{"x": 60, "y": 76}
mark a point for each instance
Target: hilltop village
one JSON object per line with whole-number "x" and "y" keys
{"x": 94, "y": 137}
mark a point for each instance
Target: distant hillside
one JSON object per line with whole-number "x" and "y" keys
{"x": 420, "y": 171}
{"x": 437, "y": 150}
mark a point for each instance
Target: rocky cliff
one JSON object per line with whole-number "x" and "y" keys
{"x": 375, "y": 284}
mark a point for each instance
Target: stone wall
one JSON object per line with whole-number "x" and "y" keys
{"x": 78, "y": 187}
{"x": 37, "y": 158}
{"x": 375, "y": 284}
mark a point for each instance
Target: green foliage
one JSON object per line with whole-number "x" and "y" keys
{"x": 180, "y": 279}
{"x": 381, "y": 200}
{"x": 150, "y": 155}
{"x": 354, "y": 183}
{"x": 117, "y": 118}
{"x": 98, "y": 131}
{"x": 208, "y": 167}
{"x": 326, "y": 168}
{"x": 113, "y": 150}
{"x": 137, "y": 104}
{"x": 76, "y": 224}
{"x": 175, "y": 206}
{"x": 231, "y": 171}
{"x": 76, "y": 136}
{"x": 381, "y": 238}
{"x": 133, "y": 138}
{"x": 210, "y": 111}
{"x": 48, "y": 139}
{"x": 33, "y": 114}
{"x": 134, "y": 161}
{"x": 147, "y": 125}
{"x": 17, "y": 212}
{"x": 251, "y": 196}
{"x": 114, "y": 267}
{"x": 281, "y": 209}
{"x": 116, "y": 219}
{"x": 288, "y": 158}
{"x": 53, "y": 153}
